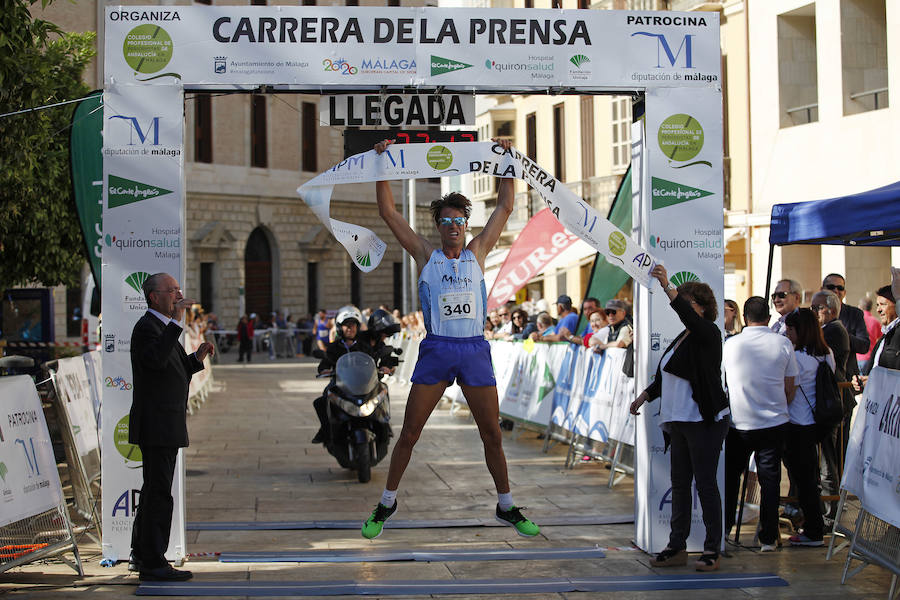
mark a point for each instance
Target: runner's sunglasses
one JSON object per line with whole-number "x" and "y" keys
{"x": 452, "y": 221}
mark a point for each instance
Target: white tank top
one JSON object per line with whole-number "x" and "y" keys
{"x": 453, "y": 296}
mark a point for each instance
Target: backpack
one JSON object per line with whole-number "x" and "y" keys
{"x": 829, "y": 409}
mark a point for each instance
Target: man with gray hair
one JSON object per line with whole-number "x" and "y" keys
{"x": 157, "y": 422}
{"x": 827, "y": 306}
{"x": 786, "y": 299}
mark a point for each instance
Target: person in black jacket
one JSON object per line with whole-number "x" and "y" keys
{"x": 853, "y": 321}
{"x": 157, "y": 422}
{"x": 693, "y": 418}
{"x": 827, "y": 305}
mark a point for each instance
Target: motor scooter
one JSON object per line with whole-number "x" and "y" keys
{"x": 359, "y": 412}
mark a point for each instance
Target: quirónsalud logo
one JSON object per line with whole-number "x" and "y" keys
{"x": 121, "y": 191}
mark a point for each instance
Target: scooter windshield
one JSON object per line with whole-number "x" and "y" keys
{"x": 355, "y": 373}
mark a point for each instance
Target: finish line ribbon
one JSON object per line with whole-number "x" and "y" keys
{"x": 418, "y": 161}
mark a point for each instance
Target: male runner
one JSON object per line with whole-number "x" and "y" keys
{"x": 454, "y": 303}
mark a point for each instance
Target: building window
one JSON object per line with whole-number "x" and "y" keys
{"x": 531, "y": 136}
{"x": 355, "y": 285}
{"x": 312, "y": 287}
{"x": 258, "y": 154}
{"x": 587, "y": 137}
{"x": 352, "y": 2}
{"x": 621, "y": 133}
{"x": 529, "y": 3}
{"x": 257, "y": 2}
{"x": 398, "y": 285}
{"x": 559, "y": 141}
{"x": 864, "y": 55}
{"x": 73, "y": 311}
{"x": 798, "y": 86}
{"x": 393, "y": 3}
{"x": 309, "y": 3}
{"x": 203, "y": 128}
{"x": 206, "y": 286}
{"x": 308, "y": 146}
{"x": 584, "y": 4}
{"x": 207, "y": 2}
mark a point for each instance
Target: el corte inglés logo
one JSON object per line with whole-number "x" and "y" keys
{"x": 123, "y": 191}
{"x": 441, "y": 65}
{"x": 147, "y": 48}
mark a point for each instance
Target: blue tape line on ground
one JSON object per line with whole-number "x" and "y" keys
{"x": 549, "y": 521}
{"x": 452, "y": 555}
{"x": 480, "y": 586}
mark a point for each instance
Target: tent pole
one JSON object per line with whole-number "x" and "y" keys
{"x": 769, "y": 270}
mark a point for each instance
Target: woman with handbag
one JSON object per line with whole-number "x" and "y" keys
{"x": 800, "y": 456}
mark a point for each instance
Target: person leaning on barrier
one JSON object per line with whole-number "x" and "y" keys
{"x": 620, "y": 330}
{"x": 693, "y": 408}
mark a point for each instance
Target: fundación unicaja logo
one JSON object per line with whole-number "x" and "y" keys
{"x": 578, "y": 60}
{"x": 441, "y": 65}
{"x": 683, "y": 277}
{"x": 363, "y": 260}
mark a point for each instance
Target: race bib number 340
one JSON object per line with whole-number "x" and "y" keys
{"x": 459, "y": 305}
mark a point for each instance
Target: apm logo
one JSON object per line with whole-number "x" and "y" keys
{"x": 127, "y": 503}
{"x": 135, "y": 129}
{"x": 662, "y": 44}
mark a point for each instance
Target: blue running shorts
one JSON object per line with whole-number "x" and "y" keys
{"x": 444, "y": 358}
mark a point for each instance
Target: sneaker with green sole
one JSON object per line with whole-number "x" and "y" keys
{"x": 371, "y": 529}
{"x": 514, "y": 518}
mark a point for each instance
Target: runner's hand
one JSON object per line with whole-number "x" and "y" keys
{"x": 382, "y": 146}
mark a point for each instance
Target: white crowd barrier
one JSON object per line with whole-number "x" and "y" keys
{"x": 574, "y": 394}
{"x": 872, "y": 472}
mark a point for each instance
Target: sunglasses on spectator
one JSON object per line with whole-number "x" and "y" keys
{"x": 611, "y": 311}
{"x": 834, "y": 286}
{"x": 506, "y": 314}
{"x": 452, "y": 221}
{"x": 781, "y": 295}
{"x": 518, "y": 316}
{"x": 817, "y": 307}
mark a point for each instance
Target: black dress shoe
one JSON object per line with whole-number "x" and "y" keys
{"x": 134, "y": 564}
{"x": 166, "y": 573}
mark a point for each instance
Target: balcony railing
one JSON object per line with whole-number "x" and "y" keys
{"x": 883, "y": 92}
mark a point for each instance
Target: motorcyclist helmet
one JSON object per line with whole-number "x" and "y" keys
{"x": 345, "y": 314}
{"x": 381, "y": 321}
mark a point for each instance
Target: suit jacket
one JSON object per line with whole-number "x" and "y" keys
{"x": 698, "y": 359}
{"x": 855, "y": 324}
{"x": 162, "y": 371}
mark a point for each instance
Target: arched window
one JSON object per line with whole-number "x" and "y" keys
{"x": 258, "y": 273}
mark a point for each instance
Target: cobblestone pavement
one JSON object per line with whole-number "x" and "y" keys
{"x": 251, "y": 459}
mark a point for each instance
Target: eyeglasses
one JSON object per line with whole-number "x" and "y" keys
{"x": 834, "y": 286}
{"x": 781, "y": 295}
{"x": 452, "y": 221}
{"x": 506, "y": 314}
{"x": 817, "y": 307}
{"x": 170, "y": 291}
{"x": 518, "y": 316}
{"x": 611, "y": 311}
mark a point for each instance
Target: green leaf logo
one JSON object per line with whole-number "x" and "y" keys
{"x": 578, "y": 60}
{"x": 3, "y": 471}
{"x": 363, "y": 259}
{"x": 136, "y": 280}
{"x": 440, "y": 65}
{"x": 683, "y": 277}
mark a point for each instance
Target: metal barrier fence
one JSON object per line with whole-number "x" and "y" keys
{"x": 45, "y": 535}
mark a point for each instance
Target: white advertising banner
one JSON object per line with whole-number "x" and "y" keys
{"x": 416, "y": 161}
{"x": 681, "y": 222}
{"x": 872, "y": 467}
{"x": 94, "y": 367}
{"x": 359, "y": 47}
{"x": 74, "y": 385}
{"x": 29, "y": 482}
{"x": 143, "y": 234}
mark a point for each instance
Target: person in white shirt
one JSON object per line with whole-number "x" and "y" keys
{"x": 760, "y": 368}
{"x": 786, "y": 299}
{"x": 800, "y": 455}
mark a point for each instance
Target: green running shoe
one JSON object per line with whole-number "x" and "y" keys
{"x": 514, "y": 517}
{"x": 371, "y": 529}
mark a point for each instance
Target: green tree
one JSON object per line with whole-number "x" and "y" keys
{"x": 40, "y": 238}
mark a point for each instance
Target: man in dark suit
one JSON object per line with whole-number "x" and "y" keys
{"x": 827, "y": 306}
{"x": 157, "y": 423}
{"x": 853, "y": 320}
